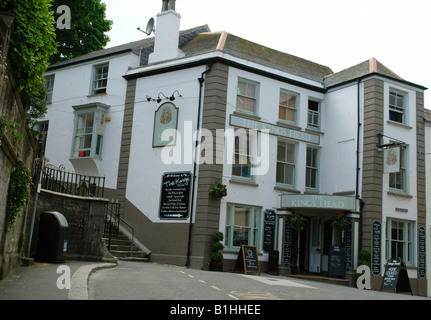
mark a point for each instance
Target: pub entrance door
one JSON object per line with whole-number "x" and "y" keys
{"x": 315, "y": 245}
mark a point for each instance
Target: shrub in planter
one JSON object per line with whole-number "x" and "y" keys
{"x": 216, "y": 259}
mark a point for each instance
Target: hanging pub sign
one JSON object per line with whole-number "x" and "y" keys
{"x": 392, "y": 160}
{"x": 269, "y": 230}
{"x": 165, "y": 125}
{"x": 395, "y": 277}
{"x": 175, "y": 195}
{"x": 376, "y": 240}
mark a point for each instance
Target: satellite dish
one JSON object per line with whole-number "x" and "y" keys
{"x": 150, "y": 27}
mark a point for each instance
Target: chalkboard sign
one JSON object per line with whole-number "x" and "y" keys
{"x": 248, "y": 260}
{"x": 269, "y": 230}
{"x": 287, "y": 241}
{"x": 395, "y": 277}
{"x": 376, "y": 241}
{"x": 175, "y": 195}
{"x": 337, "y": 261}
{"x": 422, "y": 273}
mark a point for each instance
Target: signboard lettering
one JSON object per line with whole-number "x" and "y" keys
{"x": 318, "y": 201}
{"x": 248, "y": 260}
{"x": 422, "y": 273}
{"x": 337, "y": 261}
{"x": 395, "y": 277}
{"x": 287, "y": 241}
{"x": 274, "y": 130}
{"x": 269, "y": 230}
{"x": 376, "y": 241}
{"x": 175, "y": 195}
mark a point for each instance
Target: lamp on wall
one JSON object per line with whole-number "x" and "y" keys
{"x": 160, "y": 99}
{"x": 172, "y": 97}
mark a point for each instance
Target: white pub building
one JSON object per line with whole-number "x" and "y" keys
{"x": 299, "y": 148}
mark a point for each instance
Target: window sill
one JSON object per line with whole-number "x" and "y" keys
{"x": 97, "y": 94}
{"x": 243, "y": 182}
{"x": 247, "y": 115}
{"x": 287, "y": 189}
{"x": 399, "y": 194}
{"x": 288, "y": 125}
{"x": 398, "y": 124}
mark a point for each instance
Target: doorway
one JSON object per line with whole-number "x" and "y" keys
{"x": 315, "y": 245}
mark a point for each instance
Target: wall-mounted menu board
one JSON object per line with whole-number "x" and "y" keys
{"x": 248, "y": 260}
{"x": 175, "y": 195}
{"x": 376, "y": 242}
{"x": 269, "y": 230}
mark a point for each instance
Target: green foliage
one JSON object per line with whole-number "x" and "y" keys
{"x": 364, "y": 258}
{"x": 87, "y": 32}
{"x": 18, "y": 192}
{"x": 32, "y": 44}
{"x": 10, "y": 128}
{"x": 217, "y": 248}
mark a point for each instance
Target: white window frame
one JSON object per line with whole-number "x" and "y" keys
{"x": 314, "y": 125}
{"x": 49, "y": 85}
{"x": 99, "y": 81}
{"x": 95, "y": 133}
{"x": 293, "y": 108}
{"x": 285, "y": 163}
{"x": 242, "y": 154}
{"x": 403, "y": 174}
{"x": 310, "y": 167}
{"x": 252, "y": 226}
{"x": 245, "y": 95}
{"x": 394, "y": 107}
{"x": 406, "y": 244}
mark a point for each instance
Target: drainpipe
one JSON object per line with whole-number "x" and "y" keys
{"x": 198, "y": 127}
{"x": 358, "y": 169}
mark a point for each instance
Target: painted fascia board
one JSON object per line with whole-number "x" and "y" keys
{"x": 228, "y": 59}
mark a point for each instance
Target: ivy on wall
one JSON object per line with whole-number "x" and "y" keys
{"x": 18, "y": 192}
{"x": 32, "y": 44}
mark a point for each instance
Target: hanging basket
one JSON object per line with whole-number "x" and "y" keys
{"x": 297, "y": 221}
{"x": 218, "y": 190}
{"x": 340, "y": 221}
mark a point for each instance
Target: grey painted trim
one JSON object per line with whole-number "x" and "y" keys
{"x": 420, "y": 144}
{"x": 126, "y": 139}
{"x": 372, "y": 167}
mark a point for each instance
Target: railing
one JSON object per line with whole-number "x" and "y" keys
{"x": 112, "y": 224}
{"x": 62, "y": 181}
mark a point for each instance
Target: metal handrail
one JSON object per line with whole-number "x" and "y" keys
{"x": 117, "y": 224}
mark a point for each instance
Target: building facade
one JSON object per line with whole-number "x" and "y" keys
{"x": 287, "y": 138}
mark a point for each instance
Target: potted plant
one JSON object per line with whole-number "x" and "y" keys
{"x": 218, "y": 190}
{"x": 216, "y": 259}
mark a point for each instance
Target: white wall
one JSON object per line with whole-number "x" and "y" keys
{"x": 146, "y": 166}
{"x": 72, "y": 87}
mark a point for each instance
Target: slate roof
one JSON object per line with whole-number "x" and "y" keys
{"x": 201, "y": 40}
{"x": 362, "y": 69}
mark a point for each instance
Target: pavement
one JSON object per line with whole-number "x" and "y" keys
{"x": 46, "y": 281}
{"x": 125, "y": 280}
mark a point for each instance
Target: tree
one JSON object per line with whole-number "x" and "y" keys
{"x": 32, "y": 44}
{"x": 87, "y": 29}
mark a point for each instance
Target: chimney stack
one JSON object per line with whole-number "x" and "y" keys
{"x": 167, "y": 34}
